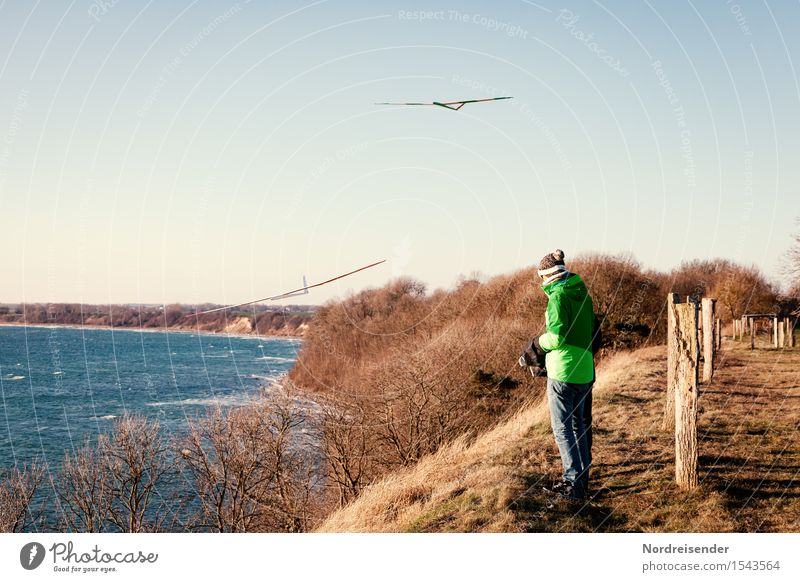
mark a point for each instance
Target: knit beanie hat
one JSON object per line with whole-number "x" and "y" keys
{"x": 551, "y": 267}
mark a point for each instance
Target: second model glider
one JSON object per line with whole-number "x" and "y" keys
{"x": 295, "y": 292}
{"x": 454, "y": 105}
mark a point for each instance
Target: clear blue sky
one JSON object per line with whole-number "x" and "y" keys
{"x": 212, "y": 151}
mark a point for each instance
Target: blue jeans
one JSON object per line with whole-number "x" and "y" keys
{"x": 567, "y": 402}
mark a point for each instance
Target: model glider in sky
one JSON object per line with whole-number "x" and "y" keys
{"x": 294, "y": 293}
{"x": 454, "y": 105}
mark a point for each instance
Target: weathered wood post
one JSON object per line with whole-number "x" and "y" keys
{"x": 684, "y": 342}
{"x": 709, "y": 337}
{"x": 787, "y": 328}
{"x": 718, "y": 329}
{"x": 673, "y": 300}
{"x": 792, "y": 325}
{"x": 781, "y": 333}
{"x": 752, "y": 333}
{"x": 775, "y": 331}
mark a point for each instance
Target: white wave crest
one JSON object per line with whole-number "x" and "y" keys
{"x": 226, "y": 400}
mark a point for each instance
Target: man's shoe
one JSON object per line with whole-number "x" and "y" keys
{"x": 573, "y": 493}
{"x": 567, "y": 491}
{"x": 558, "y": 488}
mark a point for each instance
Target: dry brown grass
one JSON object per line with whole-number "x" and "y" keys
{"x": 749, "y": 461}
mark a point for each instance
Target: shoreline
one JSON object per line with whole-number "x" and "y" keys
{"x": 252, "y": 336}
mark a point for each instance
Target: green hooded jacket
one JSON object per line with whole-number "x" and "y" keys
{"x": 570, "y": 325}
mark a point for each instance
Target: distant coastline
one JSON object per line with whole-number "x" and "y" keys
{"x": 291, "y": 321}
{"x": 253, "y": 336}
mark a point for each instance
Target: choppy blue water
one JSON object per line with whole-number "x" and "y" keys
{"x": 59, "y": 385}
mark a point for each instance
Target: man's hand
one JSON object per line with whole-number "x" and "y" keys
{"x": 534, "y": 354}
{"x": 534, "y": 358}
{"x": 538, "y": 372}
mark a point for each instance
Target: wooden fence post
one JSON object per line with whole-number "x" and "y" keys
{"x": 673, "y": 300}
{"x": 709, "y": 337}
{"x": 752, "y": 333}
{"x": 792, "y": 325}
{"x": 781, "y": 333}
{"x": 775, "y": 331}
{"x": 718, "y": 329}
{"x": 684, "y": 342}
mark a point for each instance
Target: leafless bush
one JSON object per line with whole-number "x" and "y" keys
{"x": 357, "y": 331}
{"x": 422, "y": 403}
{"x": 84, "y": 489}
{"x": 346, "y": 445}
{"x": 134, "y": 457}
{"x": 791, "y": 266}
{"x": 18, "y": 488}
{"x": 628, "y": 300}
{"x": 741, "y": 290}
{"x": 248, "y": 469}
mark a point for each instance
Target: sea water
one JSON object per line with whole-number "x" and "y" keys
{"x": 60, "y": 385}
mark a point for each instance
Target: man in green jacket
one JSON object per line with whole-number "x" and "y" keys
{"x": 567, "y": 345}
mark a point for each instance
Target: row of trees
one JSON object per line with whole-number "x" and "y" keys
{"x": 246, "y": 470}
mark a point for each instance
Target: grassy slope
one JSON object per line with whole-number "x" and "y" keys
{"x": 749, "y": 461}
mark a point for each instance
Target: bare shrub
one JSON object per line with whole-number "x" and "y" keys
{"x": 248, "y": 469}
{"x": 792, "y": 261}
{"x": 135, "y": 460}
{"x": 628, "y": 300}
{"x": 84, "y": 489}
{"x": 451, "y": 386}
{"x": 794, "y": 292}
{"x": 18, "y": 489}
{"x": 741, "y": 290}
{"x": 350, "y": 334}
{"x": 346, "y": 445}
